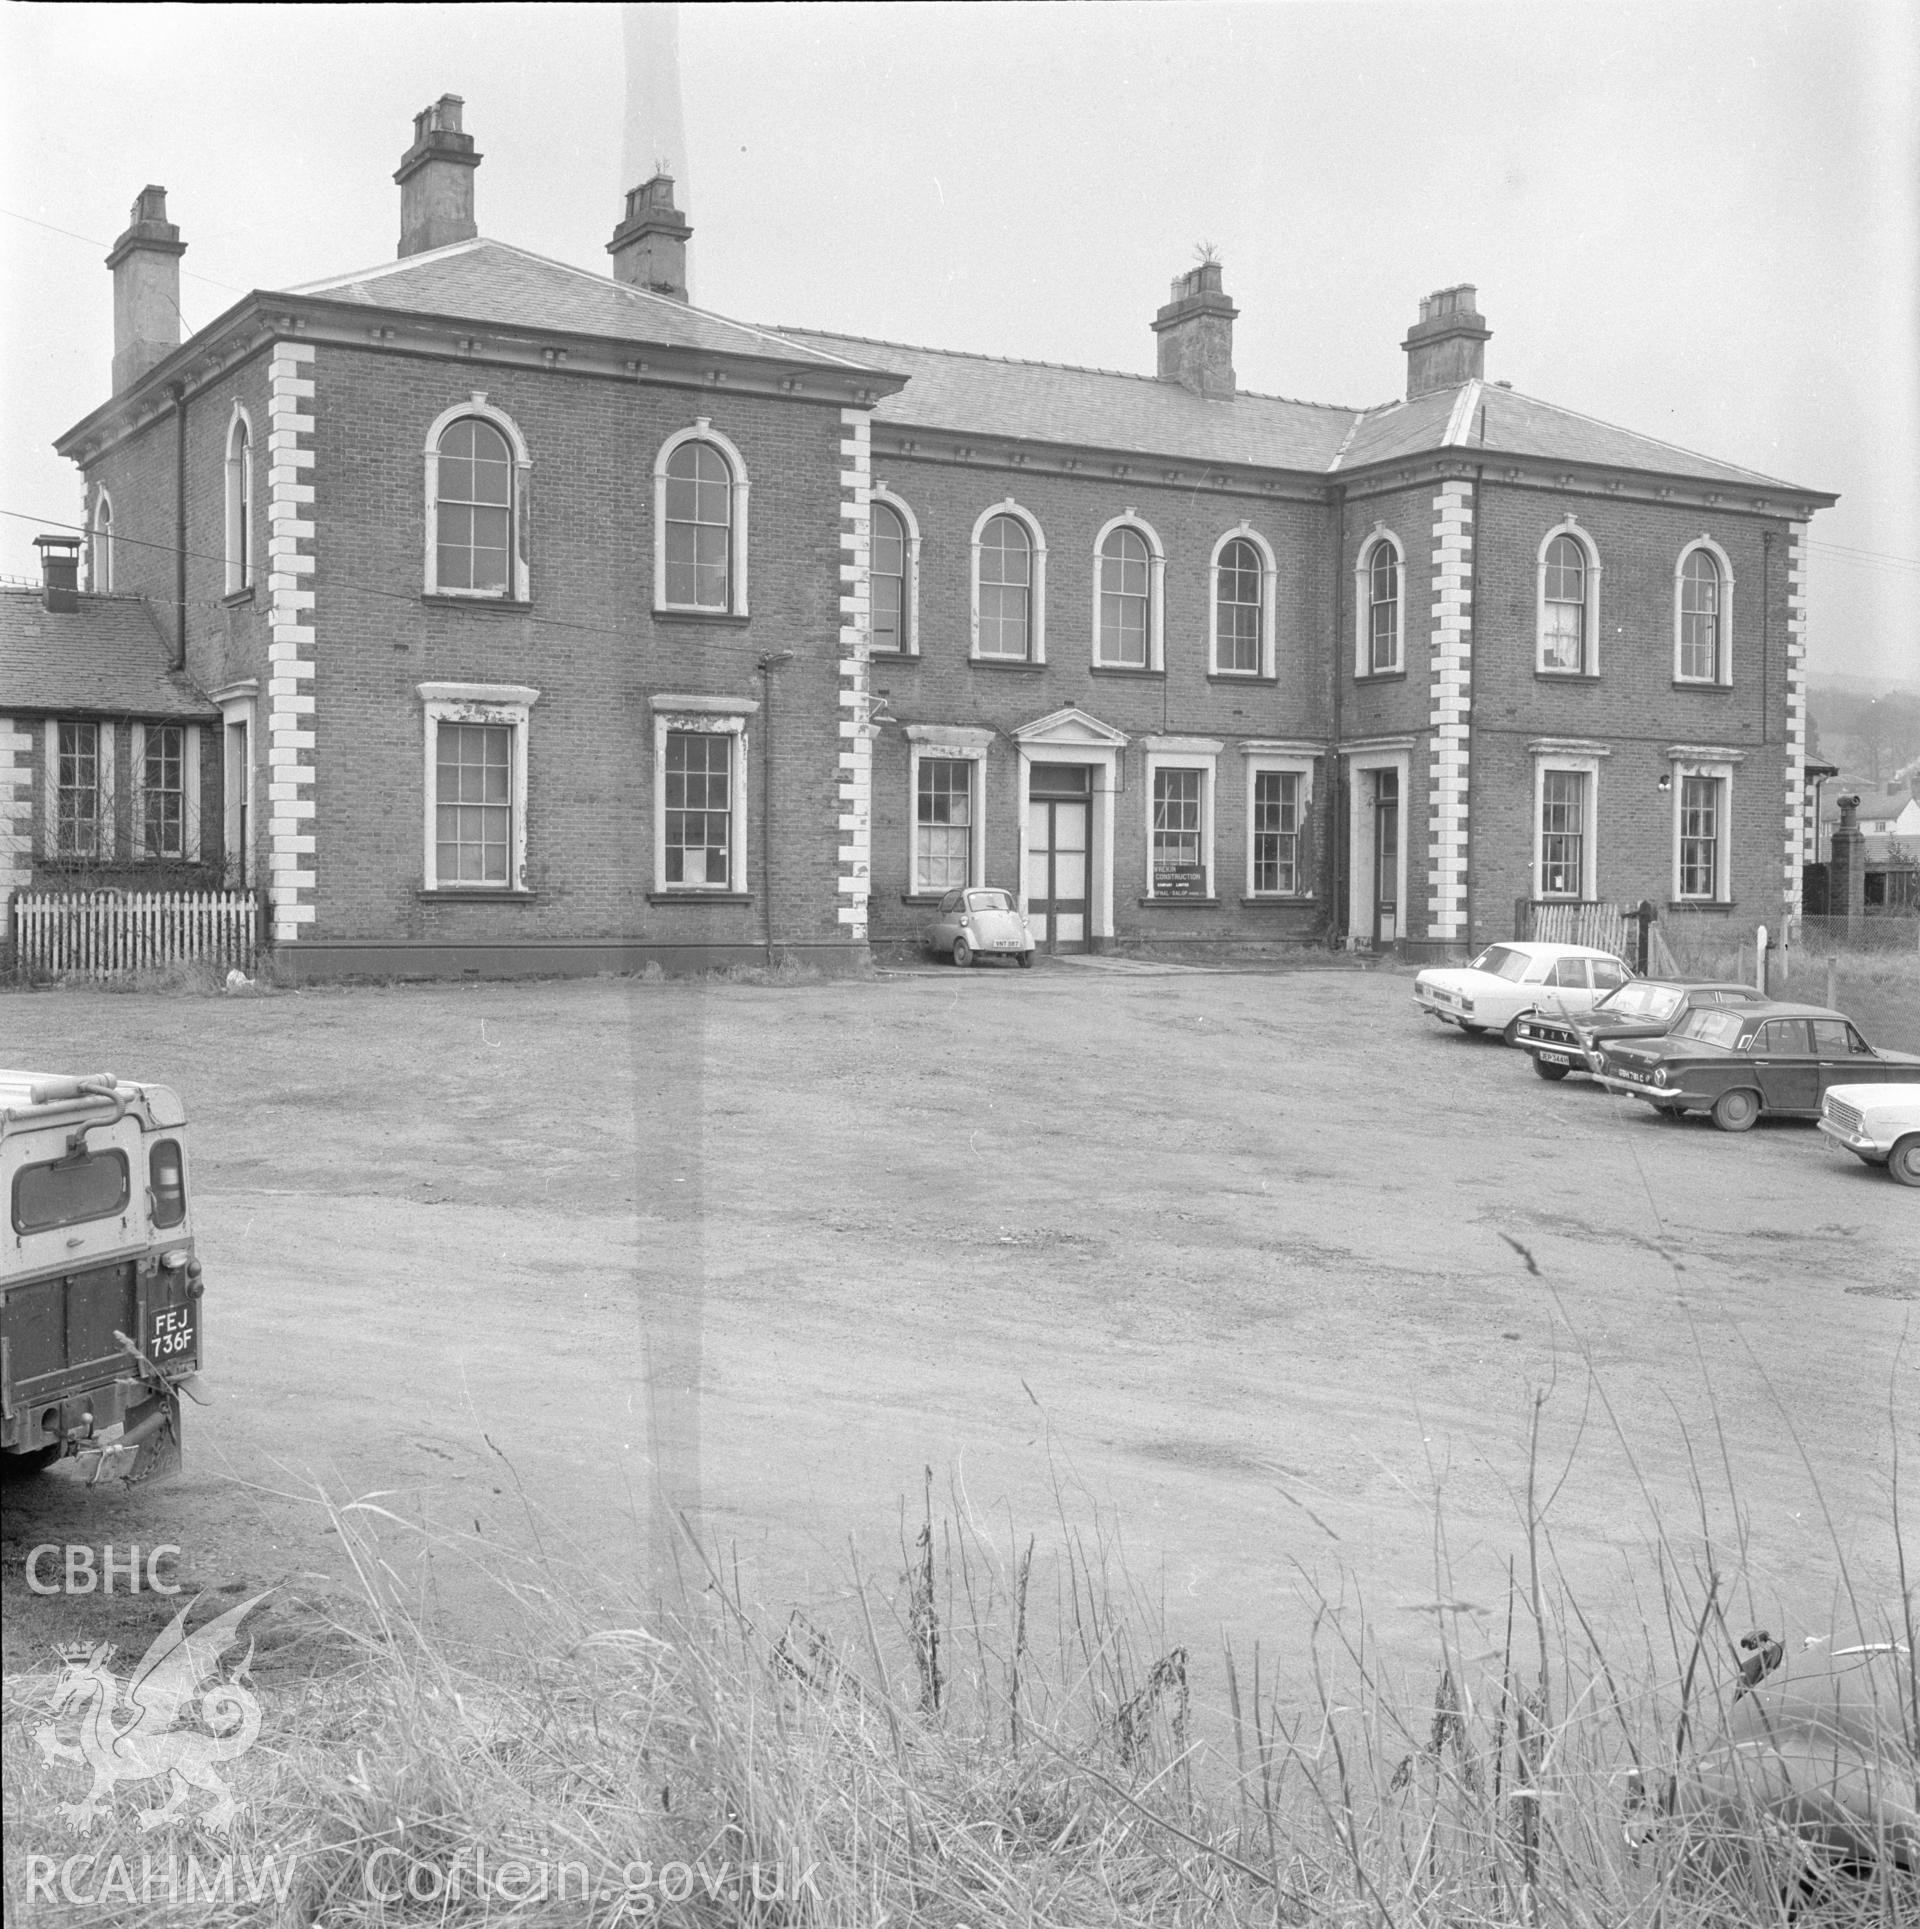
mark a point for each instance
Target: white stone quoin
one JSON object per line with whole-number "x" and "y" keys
{"x": 291, "y": 876}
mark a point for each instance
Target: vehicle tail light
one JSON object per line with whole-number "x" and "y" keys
{"x": 167, "y": 1184}
{"x": 1466, "y": 1004}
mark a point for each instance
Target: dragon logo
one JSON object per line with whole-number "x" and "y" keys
{"x": 131, "y": 1737}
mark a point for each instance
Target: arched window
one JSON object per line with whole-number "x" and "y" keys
{"x": 1126, "y": 600}
{"x": 699, "y": 545}
{"x": 1005, "y": 588}
{"x": 239, "y": 503}
{"x": 1239, "y": 598}
{"x": 475, "y": 548}
{"x": 887, "y": 580}
{"x": 1569, "y": 595}
{"x": 476, "y": 481}
{"x": 102, "y": 571}
{"x": 1702, "y": 642}
{"x": 1382, "y": 578}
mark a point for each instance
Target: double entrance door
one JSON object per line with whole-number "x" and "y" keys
{"x": 1059, "y": 835}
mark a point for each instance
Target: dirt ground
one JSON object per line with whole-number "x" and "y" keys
{"x": 1257, "y": 1275}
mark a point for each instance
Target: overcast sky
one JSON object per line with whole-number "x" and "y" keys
{"x": 1701, "y": 222}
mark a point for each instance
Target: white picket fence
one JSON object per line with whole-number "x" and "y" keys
{"x": 94, "y": 934}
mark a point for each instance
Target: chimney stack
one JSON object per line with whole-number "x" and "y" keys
{"x": 59, "y": 572}
{"x": 1196, "y": 333}
{"x": 1447, "y": 345}
{"x": 649, "y": 248}
{"x": 436, "y": 180}
{"x": 146, "y": 290}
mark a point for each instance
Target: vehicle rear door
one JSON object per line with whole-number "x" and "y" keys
{"x": 1789, "y": 1072}
{"x": 1842, "y": 1053}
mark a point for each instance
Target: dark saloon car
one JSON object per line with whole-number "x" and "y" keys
{"x": 1738, "y": 1064}
{"x": 1559, "y": 1043}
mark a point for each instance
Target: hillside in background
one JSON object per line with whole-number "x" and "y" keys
{"x": 1871, "y": 730}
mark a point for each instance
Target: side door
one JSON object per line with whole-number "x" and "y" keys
{"x": 1842, "y": 1054}
{"x": 1572, "y": 988}
{"x": 1789, "y": 1072}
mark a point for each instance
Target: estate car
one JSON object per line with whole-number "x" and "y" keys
{"x": 1506, "y": 981}
{"x": 1559, "y": 1043}
{"x": 1742, "y": 1064}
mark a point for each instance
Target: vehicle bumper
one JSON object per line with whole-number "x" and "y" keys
{"x": 1653, "y": 1094}
{"x": 1857, "y": 1143}
{"x": 1447, "y": 1014}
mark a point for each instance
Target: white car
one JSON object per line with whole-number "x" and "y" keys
{"x": 1507, "y": 981}
{"x": 1878, "y": 1124}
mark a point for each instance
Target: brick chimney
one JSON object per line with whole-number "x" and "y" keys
{"x": 436, "y": 180}
{"x": 146, "y": 290}
{"x": 1447, "y": 345}
{"x": 649, "y": 248}
{"x": 1196, "y": 333}
{"x": 59, "y": 572}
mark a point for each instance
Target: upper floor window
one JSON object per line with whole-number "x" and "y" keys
{"x": 1569, "y": 590}
{"x": 1705, "y": 586}
{"x": 1009, "y": 578}
{"x": 892, "y": 572}
{"x": 102, "y": 576}
{"x": 1243, "y": 582}
{"x": 239, "y": 479}
{"x": 1377, "y": 605}
{"x": 477, "y": 467}
{"x": 700, "y": 510}
{"x": 1126, "y": 614}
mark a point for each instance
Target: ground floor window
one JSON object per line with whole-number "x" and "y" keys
{"x": 163, "y": 791}
{"x": 474, "y": 802}
{"x": 77, "y": 813}
{"x": 1563, "y": 833}
{"x": 1276, "y": 833}
{"x": 1179, "y": 858}
{"x": 476, "y": 786}
{"x": 943, "y": 824}
{"x": 700, "y": 828}
{"x": 1702, "y": 808}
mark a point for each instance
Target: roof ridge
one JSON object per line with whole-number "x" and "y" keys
{"x": 1032, "y": 361}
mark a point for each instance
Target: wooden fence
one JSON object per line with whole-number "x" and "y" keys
{"x": 1607, "y": 927}
{"x": 94, "y": 934}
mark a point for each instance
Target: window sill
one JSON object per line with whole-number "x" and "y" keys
{"x": 441, "y": 599}
{"x": 1141, "y": 670}
{"x": 1004, "y": 663}
{"x": 1700, "y": 904}
{"x": 237, "y": 598}
{"x": 1380, "y": 676}
{"x": 475, "y": 894}
{"x": 1242, "y": 677}
{"x": 1278, "y": 899}
{"x": 1706, "y": 684}
{"x": 1176, "y": 904}
{"x": 892, "y": 657}
{"x": 717, "y": 619}
{"x": 926, "y": 900}
{"x": 700, "y": 897}
{"x": 1565, "y": 676}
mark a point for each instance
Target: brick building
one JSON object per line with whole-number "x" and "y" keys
{"x": 556, "y": 624}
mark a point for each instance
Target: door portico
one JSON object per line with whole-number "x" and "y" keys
{"x": 1066, "y": 739}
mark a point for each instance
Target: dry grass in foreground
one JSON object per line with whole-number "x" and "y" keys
{"x": 996, "y": 1736}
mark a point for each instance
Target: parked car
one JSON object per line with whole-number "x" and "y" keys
{"x": 1559, "y": 1043}
{"x": 1507, "y": 981}
{"x": 1878, "y": 1124}
{"x": 100, "y": 1287}
{"x": 978, "y": 922}
{"x": 1744, "y": 1064}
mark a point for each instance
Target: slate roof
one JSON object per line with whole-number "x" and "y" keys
{"x": 1049, "y": 402}
{"x": 108, "y": 658}
{"x": 492, "y": 281}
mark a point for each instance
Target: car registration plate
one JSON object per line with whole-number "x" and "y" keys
{"x": 1554, "y": 1058}
{"x": 171, "y": 1333}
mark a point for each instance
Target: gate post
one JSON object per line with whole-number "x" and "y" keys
{"x": 1643, "y": 917}
{"x": 1522, "y": 920}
